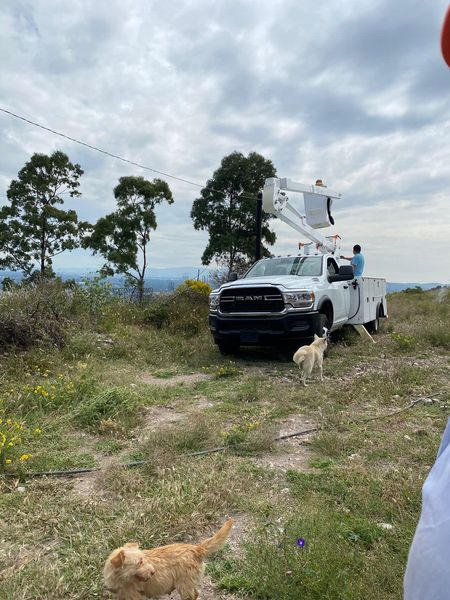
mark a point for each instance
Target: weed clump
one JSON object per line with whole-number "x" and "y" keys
{"x": 112, "y": 404}
{"x": 222, "y": 371}
{"x": 402, "y": 341}
{"x": 184, "y": 312}
{"x": 250, "y": 437}
{"x": 15, "y": 438}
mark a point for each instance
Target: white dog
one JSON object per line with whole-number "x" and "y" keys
{"x": 309, "y": 357}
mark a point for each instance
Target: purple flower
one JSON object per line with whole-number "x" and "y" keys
{"x": 301, "y": 542}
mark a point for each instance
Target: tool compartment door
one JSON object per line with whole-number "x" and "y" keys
{"x": 365, "y": 300}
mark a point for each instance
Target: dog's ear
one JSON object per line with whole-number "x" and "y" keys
{"x": 131, "y": 545}
{"x": 118, "y": 559}
{"x": 316, "y": 337}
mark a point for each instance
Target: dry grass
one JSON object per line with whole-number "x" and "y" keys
{"x": 359, "y": 473}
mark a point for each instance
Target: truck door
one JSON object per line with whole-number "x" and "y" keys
{"x": 339, "y": 293}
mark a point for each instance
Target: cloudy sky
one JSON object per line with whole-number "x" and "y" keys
{"x": 353, "y": 92}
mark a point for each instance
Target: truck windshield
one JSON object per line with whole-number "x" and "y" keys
{"x": 303, "y": 266}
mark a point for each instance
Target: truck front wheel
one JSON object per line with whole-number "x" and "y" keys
{"x": 322, "y": 322}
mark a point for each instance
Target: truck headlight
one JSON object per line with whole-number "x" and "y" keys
{"x": 301, "y": 299}
{"x": 214, "y": 300}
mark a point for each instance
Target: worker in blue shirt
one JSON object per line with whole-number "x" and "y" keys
{"x": 357, "y": 260}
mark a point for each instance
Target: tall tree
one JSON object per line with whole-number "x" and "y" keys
{"x": 122, "y": 237}
{"x": 226, "y": 209}
{"x": 33, "y": 229}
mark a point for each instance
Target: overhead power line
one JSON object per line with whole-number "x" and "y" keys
{"x": 110, "y": 154}
{"x": 125, "y": 160}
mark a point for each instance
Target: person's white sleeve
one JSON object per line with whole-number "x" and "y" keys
{"x": 427, "y": 574}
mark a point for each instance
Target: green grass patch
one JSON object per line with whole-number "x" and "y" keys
{"x": 117, "y": 404}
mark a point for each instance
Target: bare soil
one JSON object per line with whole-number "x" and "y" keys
{"x": 176, "y": 379}
{"x": 291, "y": 453}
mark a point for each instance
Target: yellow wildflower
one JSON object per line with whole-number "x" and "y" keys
{"x": 25, "y": 457}
{"x": 8, "y": 461}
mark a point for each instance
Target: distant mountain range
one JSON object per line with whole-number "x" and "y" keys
{"x": 399, "y": 287}
{"x": 167, "y": 278}
{"x": 159, "y": 280}
{"x": 153, "y": 273}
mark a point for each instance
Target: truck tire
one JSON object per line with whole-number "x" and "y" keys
{"x": 322, "y": 322}
{"x": 373, "y": 327}
{"x": 227, "y": 348}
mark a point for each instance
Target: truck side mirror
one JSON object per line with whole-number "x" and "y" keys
{"x": 347, "y": 271}
{"x": 345, "y": 274}
{"x": 233, "y": 276}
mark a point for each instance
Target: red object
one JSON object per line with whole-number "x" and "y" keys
{"x": 445, "y": 38}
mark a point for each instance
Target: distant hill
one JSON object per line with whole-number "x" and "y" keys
{"x": 399, "y": 287}
{"x": 168, "y": 278}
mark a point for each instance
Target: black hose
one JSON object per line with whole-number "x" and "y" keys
{"x": 359, "y": 301}
{"x": 141, "y": 463}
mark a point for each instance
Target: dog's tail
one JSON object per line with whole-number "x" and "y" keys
{"x": 217, "y": 541}
{"x": 299, "y": 356}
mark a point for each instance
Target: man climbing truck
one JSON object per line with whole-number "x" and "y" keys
{"x": 287, "y": 299}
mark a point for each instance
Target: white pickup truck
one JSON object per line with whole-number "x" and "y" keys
{"x": 287, "y": 299}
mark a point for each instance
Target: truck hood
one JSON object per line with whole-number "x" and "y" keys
{"x": 288, "y": 282}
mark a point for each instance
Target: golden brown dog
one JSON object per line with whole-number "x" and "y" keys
{"x": 134, "y": 574}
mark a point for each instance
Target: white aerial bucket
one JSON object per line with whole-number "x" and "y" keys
{"x": 318, "y": 210}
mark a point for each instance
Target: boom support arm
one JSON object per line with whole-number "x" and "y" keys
{"x": 318, "y": 200}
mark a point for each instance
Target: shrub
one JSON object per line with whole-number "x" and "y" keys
{"x": 183, "y": 312}
{"x": 158, "y": 314}
{"x": 31, "y": 316}
{"x": 8, "y": 284}
{"x": 199, "y": 287}
{"x": 92, "y": 296}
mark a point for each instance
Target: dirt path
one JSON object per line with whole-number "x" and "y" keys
{"x": 292, "y": 453}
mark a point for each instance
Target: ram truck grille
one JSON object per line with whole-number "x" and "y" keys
{"x": 251, "y": 300}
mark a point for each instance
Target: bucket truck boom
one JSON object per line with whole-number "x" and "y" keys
{"x": 318, "y": 201}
